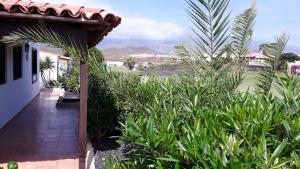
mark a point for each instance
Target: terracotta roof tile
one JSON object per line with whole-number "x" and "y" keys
{"x": 61, "y": 10}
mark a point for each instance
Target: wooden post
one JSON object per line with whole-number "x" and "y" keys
{"x": 83, "y": 108}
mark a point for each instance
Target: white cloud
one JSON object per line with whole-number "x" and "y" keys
{"x": 146, "y": 28}
{"x": 134, "y": 27}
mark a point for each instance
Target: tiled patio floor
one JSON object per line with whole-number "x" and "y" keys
{"x": 42, "y": 136}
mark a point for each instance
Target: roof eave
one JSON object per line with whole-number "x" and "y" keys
{"x": 55, "y": 18}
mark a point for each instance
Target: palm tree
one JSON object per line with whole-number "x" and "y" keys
{"x": 211, "y": 21}
{"x": 45, "y": 65}
{"x": 130, "y": 63}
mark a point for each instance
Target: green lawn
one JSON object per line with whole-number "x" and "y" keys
{"x": 122, "y": 69}
{"x": 249, "y": 82}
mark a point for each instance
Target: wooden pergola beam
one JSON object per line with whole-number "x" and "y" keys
{"x": 83, "y": 138}
{"x": 83, "y": 108}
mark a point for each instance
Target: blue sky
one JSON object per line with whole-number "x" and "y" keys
{"x": 167, "y": 19}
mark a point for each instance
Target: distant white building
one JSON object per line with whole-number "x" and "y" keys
{"x": 256, "y": 59}
{"x": 145, "y": 55}
{"x": 114, "y": 63}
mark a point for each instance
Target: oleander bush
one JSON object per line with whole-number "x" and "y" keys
{"x": 178, "y": 129}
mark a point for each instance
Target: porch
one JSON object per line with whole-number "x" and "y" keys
{"x": 41, "y": 135}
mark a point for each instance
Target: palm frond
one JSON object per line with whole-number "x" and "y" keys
{"x": 44, "y": 35}
{"x": 210, "y": 42}
{"x": 47, "y": 36}
{"x": 288, "y": 89}
{"x": 243, "y": 30}
{"x": 211, "y": 24}
{"x": 194, "y": 62}
{"x": 211, "y": 20}
{"x": 95, "y": 61}
{"x": 272, "y": 51}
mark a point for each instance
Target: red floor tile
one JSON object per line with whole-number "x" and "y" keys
{"x": 41, "y": 136}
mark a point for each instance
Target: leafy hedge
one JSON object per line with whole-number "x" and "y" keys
{"x": 175, "y": 128}
{"x": 103, "y": 116}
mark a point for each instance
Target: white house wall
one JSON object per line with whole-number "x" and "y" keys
{"x": 16, "y": 94}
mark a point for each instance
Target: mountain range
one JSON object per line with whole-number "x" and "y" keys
{"x": 158, "y": 46}
{"x": 122, "y": 48}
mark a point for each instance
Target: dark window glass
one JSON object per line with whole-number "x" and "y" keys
{"x": 18, "y": 61}
{"x": 2, "y": 64}
{"x": 34, "y": 65}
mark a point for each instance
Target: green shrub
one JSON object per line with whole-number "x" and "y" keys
{"x": 103, "y": 116}
{"x": 70, "y": 80}
{"x": 132, "y": 92}
{"x": 176, "y": 128}
{"x": 12, "y": 165}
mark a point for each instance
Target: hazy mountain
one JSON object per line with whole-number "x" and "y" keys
{"x": 123, "y": 53}
{"x": 255, "y": 47}
{"x": 158, "y": 46}
{"x": 116, "y": 49}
